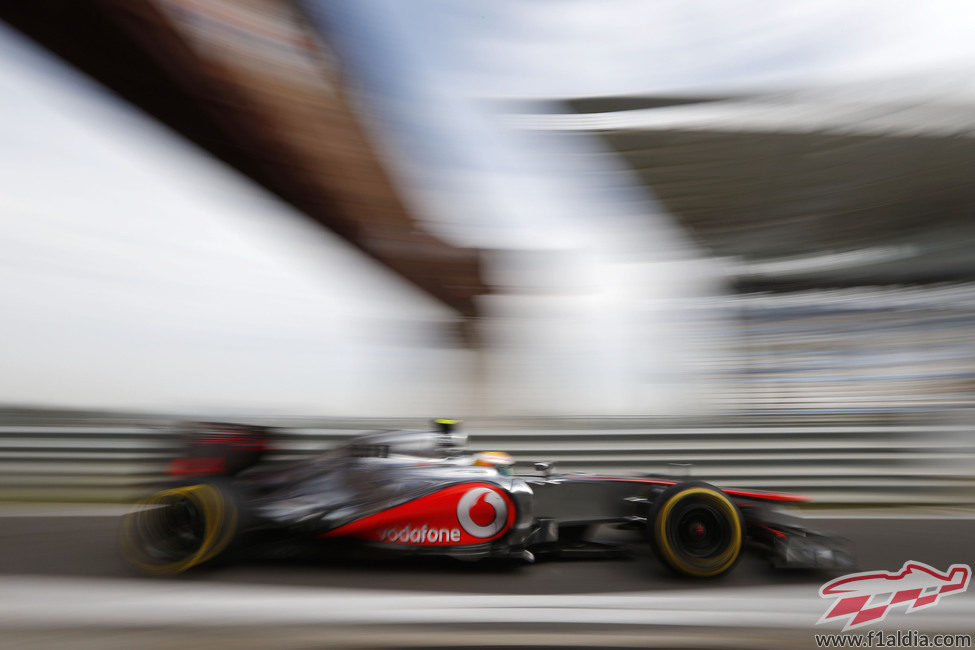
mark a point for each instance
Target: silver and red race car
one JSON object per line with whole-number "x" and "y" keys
{"x": 420, "y": 492}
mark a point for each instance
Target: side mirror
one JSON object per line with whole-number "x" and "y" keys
{"x": 545, "y": 469}
{"x": 682, "y": 469}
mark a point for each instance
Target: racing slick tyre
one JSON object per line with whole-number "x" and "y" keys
{"x": 696, "y": 530}
{"x": 179, "y": 528}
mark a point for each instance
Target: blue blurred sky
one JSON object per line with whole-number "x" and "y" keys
{"x": 538, "y": 48}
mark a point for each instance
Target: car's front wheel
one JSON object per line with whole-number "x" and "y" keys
{"x": 696, "y": 530}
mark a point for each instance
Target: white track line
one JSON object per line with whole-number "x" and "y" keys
{"x": 60, "y": 602}
{"x": 905, "y": 514}
{"x": 63, "y": 509}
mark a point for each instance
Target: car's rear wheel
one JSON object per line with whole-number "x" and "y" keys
{"x": 696, "y": 530}
{"x": 179, "y": 528}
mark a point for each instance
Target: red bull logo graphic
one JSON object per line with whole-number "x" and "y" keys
{"x": 867, "y": 597}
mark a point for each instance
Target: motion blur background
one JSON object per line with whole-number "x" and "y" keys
{"x": 727, "y": 240}
{"x": 624, "y": 215}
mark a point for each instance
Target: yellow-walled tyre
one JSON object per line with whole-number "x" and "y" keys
{"x": 179, "y": 528}
{"x": 696, "y": 530}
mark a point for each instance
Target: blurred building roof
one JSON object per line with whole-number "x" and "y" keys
{"x": 253, "y": 85}
{"x": 803, "y": 188}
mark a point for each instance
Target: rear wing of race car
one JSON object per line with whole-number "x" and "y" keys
{"x": 219, "y": 449}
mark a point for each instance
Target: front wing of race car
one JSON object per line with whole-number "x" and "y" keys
{"x": 789, "y": 543}
{"x": 568, "y": 507}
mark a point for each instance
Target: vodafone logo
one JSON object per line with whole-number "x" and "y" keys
{"x": 482, "y": 512}
{"x": 425, "y": 534}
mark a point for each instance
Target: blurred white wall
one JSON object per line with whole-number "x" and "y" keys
{"x": 138, "y": 273}
{"x": 135, "y": 272}
{"x": 601, "y": 304}
{"x": 613, "y": 311}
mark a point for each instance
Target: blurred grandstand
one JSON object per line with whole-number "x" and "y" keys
{"x": 842, "y": 219}
{"x": 858, "y": 350}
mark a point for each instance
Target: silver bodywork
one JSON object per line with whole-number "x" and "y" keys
{"x": 383, "y": 471}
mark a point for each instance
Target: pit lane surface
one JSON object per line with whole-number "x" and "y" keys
{"x": 81, "y": 543}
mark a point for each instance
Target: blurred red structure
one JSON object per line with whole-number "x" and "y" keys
{"x": 255, "y": 86}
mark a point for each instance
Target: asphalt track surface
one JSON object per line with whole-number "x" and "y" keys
{"x": 85, "y": 546}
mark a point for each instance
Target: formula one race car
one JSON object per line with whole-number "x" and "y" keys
{"x": 418, "y": 492}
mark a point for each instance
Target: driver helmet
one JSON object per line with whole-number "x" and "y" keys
{"x": 499, "y": 460}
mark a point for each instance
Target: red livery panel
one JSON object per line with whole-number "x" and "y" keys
{"x": 469, "y": 513}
